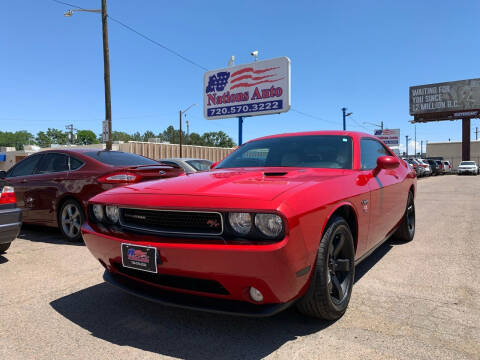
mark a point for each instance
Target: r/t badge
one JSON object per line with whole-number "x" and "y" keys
{"x": 365, "y": 205}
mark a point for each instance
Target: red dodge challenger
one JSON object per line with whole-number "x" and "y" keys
{"x": 284, "y": 219}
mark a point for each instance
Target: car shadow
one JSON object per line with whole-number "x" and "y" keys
{"x": 3, "y": 260}
{"x": 125, "y": 320}
{"x": 45, "y": 234}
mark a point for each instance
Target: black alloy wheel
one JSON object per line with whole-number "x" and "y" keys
{"x": 332, "y": 280}
{"x": 406, "y": 230}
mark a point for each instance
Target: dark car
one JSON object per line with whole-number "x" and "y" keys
{"x": 53, "y": 187}
{"x": 419, "y": 169}
{"x": 10, "y": 217}
{"x": 436, "y": 170}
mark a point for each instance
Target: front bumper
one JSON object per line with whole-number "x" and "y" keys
{"x": 467, "y": 171}
{"x": 10, "y": 224}
{"x": 279, "y": 270}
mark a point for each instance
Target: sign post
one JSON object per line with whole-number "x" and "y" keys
{"x": 258, "y": 88}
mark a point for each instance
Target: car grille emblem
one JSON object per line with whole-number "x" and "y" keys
{"x": 162, "y": 172}
{"x": 213, "y": 223}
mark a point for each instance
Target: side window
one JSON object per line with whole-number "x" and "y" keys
{"x": 75, "y": 163}
{"x": 53, "y": 163}
{"x": 371, "y": 150}
{"x": 25, "y": 167}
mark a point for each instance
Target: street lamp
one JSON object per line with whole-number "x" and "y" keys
{"x": 106, "y": 66}
{"x": 345, "y": 114}
{"x": 181, "y": 114}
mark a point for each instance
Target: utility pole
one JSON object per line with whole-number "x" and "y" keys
{"x": 345, "y": 114}
{"x": 180, "y": 134}
{"x": 406, "y": 148}
{"x": 188, "y": 132}
{"x": 421, "y": 148}
{"x": 415, "y": 143}
{"x": 476, "y": 133}
{"x": 106, "y": 70}
{"x": 70, "y": 131}
{"x": 381, "y": 125}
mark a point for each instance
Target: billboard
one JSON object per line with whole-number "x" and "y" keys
{"x": 445, "y": 101}
{"x": 390, "y": 137}
{"x": 258, "y": 88}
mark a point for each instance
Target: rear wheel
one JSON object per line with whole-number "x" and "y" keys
{"x": 406, "y": 231}
{"x": 331, "y": 284}
{"x": 4, "y": 247}
{"x": 70, "y": 220}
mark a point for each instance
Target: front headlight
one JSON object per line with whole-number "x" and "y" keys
{"x": 113, "y": 213}
{"x": 98, "y": 212}
{"x": 240, "y": 222}
{"x": 270, "y": 225}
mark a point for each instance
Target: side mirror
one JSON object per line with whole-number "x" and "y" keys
{"x": 3, "y": 174}
{"x": 214, "y": 165}
{"x": 387, "y": 163}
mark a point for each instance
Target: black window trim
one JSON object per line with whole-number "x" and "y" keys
{"x": 378, "y": 141}
{"x": 17, "y": 164}
{"x": 76, "y": 158}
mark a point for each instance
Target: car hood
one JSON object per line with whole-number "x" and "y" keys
{"x": 252, "y": 183}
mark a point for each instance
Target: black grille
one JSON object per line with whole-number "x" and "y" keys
{"x": 169, "y": 221}
{"x": 176, "y": 282}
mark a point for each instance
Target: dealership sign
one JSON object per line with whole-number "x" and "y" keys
{"x": 258, "y": 88}
{"x": 390, "y": 137}
{"x": 445, "y": 101}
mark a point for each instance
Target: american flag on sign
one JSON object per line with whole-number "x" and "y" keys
{"x": 245, "y": 77}
{"x": 248, "y": 76}
{"x": 389, "y": 132}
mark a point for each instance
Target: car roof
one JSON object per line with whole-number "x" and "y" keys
{"x": 353, "y": 134}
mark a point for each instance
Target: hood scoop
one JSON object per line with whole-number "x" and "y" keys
{"x": 275, "y": 173}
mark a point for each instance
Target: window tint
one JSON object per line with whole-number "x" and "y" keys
{"x": 371, "y": 150}
{"x": 117, "y": 158}
{"x": 75, "y": 163}
{"x": 25, "y": 167}
{"x": 315, "y": 151}
{"x": 53, "y": 163}
{"x": 199, "y": 165}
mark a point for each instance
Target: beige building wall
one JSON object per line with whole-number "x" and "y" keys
{"x": 163, "y": 151}
{"x": 452, "y": 151}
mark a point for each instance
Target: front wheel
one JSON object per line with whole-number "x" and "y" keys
{"x": 70, "y": 220}
{"x": 4, "y": 247}
{"x": 332, "y": 280}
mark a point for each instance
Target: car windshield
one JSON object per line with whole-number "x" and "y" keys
{"x": 199, "y": 165}
{"x": 118, "y": 158}
{"x": 467, "y": 163}
{"x": 315, "y": 151}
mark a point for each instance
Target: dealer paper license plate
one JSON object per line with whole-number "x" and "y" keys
{"x": 139, "y": 257}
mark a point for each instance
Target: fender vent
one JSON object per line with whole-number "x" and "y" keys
{"x": 282, "y": 173}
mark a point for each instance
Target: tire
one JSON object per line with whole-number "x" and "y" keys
{"x": 70, "y": 220}
{"x": 406, "y": 230}
{"x": 4, "y": 247}
{"x": 331, "y": 283}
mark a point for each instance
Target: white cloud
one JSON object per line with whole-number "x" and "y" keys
{"x": 411, "y": 147}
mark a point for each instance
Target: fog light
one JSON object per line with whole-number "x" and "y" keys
{"x": 112, "y": 213}
{"x": 255, "y": 294}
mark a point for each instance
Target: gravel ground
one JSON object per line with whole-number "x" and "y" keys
{"x": 410, "y": 301}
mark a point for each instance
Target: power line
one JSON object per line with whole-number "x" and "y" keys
{"x": 64, "y": 3}
{"x": 312, "y": 116}
{"x": 158, "y": 44}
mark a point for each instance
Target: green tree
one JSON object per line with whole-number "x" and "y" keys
{"x": 136, "y": 136}
{"x": 16, "y": 139}
{"x": 172, "y": 135}
{"x": 195, "y": 139}
{"x": 148, "y": 135}
{"x": 218, "y": 139}
{"x": 86, "y": 137}
{"x": 121, "y": 136}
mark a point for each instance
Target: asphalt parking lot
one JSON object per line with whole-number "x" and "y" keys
{"x": 410, "y": 301}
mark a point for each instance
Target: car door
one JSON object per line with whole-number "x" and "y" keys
{"x": 20, "y": 177}
{"x": 46, "y": 186}
{"x": 385, "y": 207}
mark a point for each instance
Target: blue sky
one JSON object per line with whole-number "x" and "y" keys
{"x": 360, "y": 54}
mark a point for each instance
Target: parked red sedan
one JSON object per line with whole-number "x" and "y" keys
{"x": 53, "y": 187}
{"x": 282, "y": 219}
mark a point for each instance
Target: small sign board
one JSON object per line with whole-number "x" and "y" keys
{"x": 105, "y": 130}
{"x": 445, "y": 101}
{"x": 390, "y": 137}
{"x": 258, "y": 88}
